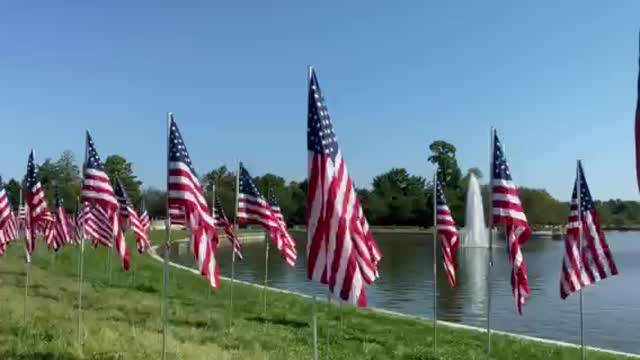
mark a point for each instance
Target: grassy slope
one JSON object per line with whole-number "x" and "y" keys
{"x": 122, "y": 321}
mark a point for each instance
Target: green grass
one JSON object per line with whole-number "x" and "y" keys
{"x": 122, "y": 319}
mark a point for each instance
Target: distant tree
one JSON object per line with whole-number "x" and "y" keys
{"x": 398, "y": 198}
{"x": 156, "y": 202}
{"x": 298, "y": 193}
{"x": 225, "y": 182}
{"x": 117, "y": 166}
{"x": 13, "y": 187}
{"x": 63, "y": 174}
{"x": 444, "y": 154}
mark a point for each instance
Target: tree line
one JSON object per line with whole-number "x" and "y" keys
{"x": 395, "y": 198}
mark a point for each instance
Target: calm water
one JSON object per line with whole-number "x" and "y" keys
{"x": 612, "y": 307}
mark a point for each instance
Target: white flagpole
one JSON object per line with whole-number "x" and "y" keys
{"x": 27, "y": 264}
{"x": 266, "y": 275}
{"x": 109, "y": 256}
{"x": 233, "y": 249}
{"x": 81, "y": 253}
{"x": 165, "y": 306}
{"x": 490, "y": 265}
{"x": 314, "y": 310}
{"x": 435, "y": 260}
{"x": 80, "y": 278}
{"x": 579, "y": 200}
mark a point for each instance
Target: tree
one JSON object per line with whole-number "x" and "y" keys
{"x": 62, "y": 175}
{"x": 541, "y": 208}
{"x": 398, "y": 198}
{"x": 298, "y": 193}
{"x": 282, "y": 193}
{"x": 156, "y": 202}
{"x": 117, "y": 166}
{"x": 225, "y": 182}
{"x": 13, "y": 192}
{"x": 444, "y": 154}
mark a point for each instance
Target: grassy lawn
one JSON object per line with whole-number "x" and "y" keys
{"x": 122, "y": 319}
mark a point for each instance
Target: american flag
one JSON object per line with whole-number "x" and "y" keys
{"x": 103, "y": 224}
{"x": 22, "y": 219}
{"x": 284, "y": 241}
{"x": 186, "y": 198}
{"x": 177, "y": 215}
{"x": 129, "y": 217}
{"x": 254, "y": 209}
{"x": 143, "y": 214}
{"x": 595, "y": 262}
{"x": 9, "y": 232}
{"x": 222, "y": 222}
{"x": 83, "y": 215}
{"x": 8, "y": 225}
{"x": 341, "y": 251}
{"x": 448, "y": 233}
{"x": 61, "y": 231}
{"x": 508, "y": 211}
{"x": 37, "y": 213}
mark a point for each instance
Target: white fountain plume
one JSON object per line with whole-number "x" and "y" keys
{"x": 475, "y": 233}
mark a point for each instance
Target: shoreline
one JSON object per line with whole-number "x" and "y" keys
{"x": 154, "y": 254}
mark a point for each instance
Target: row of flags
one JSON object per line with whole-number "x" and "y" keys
{"x": 341, "y": 251}
{"x": 104, "y": 215}
{"x": 188, "y": 207}
{"x": 587, "y": 258}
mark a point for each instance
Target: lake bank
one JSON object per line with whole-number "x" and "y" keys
{"x": 394, "y": 314}
{"x": 406, "y": 286}
{"x": 122, "y": 319}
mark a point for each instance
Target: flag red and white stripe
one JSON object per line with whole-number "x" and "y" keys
{"x": 254, "y": 209}
{"x": 102, "y": 224}
{"x": 283, "y": 239}
{"x": 222, "y": 222}
{"x": 341, "y": 251}
{"x": 37, "y": 214}
{"x": 129, "y": 218}
{"x": 8, "y": 224}
{"x": 508, "y": 211}
{"x": 145, "y": 221}
{"x": 587, "y": 264}
{"x": 188, "y": 206}
{"x": 447, "y": 233}
{"x": 60, "y": 231}
{"x": 8, "y": 231}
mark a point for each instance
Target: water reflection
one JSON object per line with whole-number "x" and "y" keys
{"x": 612, "y": 308}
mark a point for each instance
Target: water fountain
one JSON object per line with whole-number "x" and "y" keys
{"x": 475, "y": 233}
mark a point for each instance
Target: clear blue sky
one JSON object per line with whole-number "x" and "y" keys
{"x": 558, "y": 79}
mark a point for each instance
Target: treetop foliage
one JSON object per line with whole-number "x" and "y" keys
{"x": 396, "y": 197}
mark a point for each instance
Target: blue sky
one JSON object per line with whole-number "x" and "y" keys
{"x": 558, "y": 79}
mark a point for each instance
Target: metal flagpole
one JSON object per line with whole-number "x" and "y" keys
{"x": 490, "y": 265}
{"x": 579, "y": 200}
{"x": 81, "y": 255}
{"x": 435, "y": 260}
{"x": 314, "y": 306}
{"x": 213, "y": 215}
{"x": 165, "y": 293}
{"x": 27, "y": 264}
{"x": 266, "y": 275}
{"x": 109, "y": 256}
{"x": 113, "y": 240}
{"x": 80, "y": 277}
{"x": 315, "y": 328}
{"x": 233, "y": 250}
